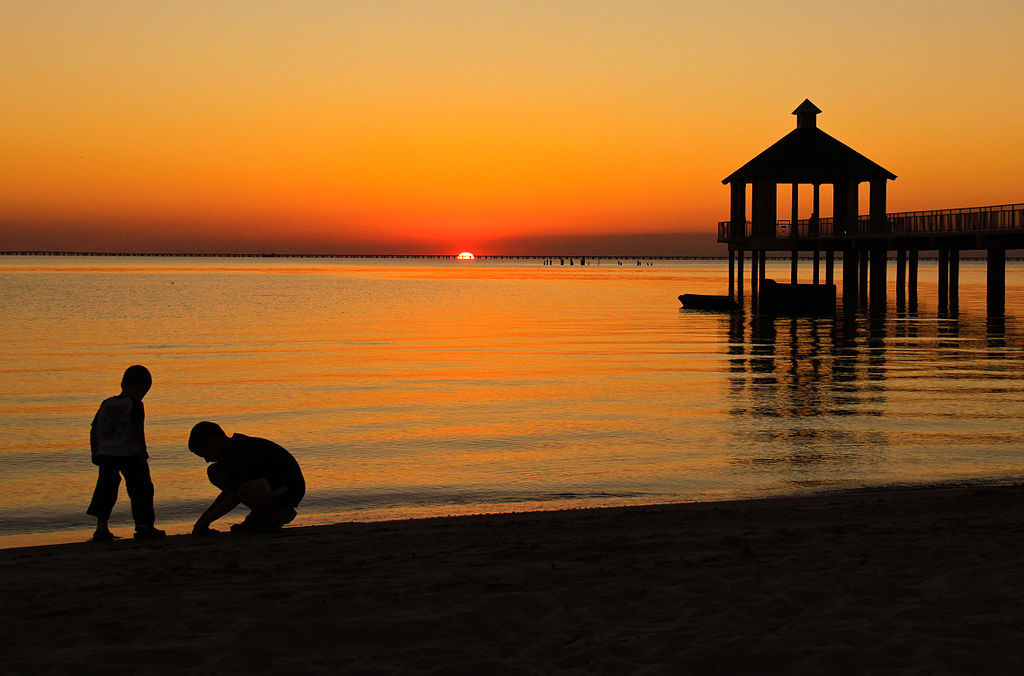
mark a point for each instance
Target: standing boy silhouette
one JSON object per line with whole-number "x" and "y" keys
{"x": 118, "y": 443}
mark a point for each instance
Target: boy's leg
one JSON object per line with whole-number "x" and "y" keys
{"x": 140, "y": 491}
{"x": 108, "y": 481}
{"x": 267, "y": 513}
{"x": 256, "y": 495}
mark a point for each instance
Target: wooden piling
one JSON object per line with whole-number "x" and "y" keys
{"x": 862, "y": 280}
{"x": 879, "y": 282}
{"x": 912, "y": 281}
{"x": 954, "y": 281}
{"x": 732, "y": 274}
{"x": 850, "y": 267}
{"x": 739, "y": 275}
{"x": 943, "y": 280}
{"x": 996, "y": 283}
{"x": 755, "y": 260}
{"x": 901, "y": 279}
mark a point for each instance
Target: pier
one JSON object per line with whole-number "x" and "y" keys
{"x": 864, "y": 242}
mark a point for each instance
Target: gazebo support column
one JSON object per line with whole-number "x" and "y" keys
{"x": 738, "y": 210}
{"x": 830, "y": 264}
{"x": 815, "y": 220}
{"x": 794, "y": 232}
{"x": 814, "y": 230}
{"x": 879, "y": 253}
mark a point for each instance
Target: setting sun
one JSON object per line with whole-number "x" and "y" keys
{"x": 465, "y": 256}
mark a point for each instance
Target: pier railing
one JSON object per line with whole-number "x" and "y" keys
{"x": 1001, "y": 218}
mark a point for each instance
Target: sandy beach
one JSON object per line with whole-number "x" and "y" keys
{"x": 905, "y": 581}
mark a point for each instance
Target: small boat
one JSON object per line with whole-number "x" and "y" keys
{"x": 699, "y": 301}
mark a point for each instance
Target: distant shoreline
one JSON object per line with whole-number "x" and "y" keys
{"x": 351, "y": 256}
{"x": 153, "y": 254}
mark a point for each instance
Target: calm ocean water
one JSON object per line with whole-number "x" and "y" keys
{"x": 410, "y": 388}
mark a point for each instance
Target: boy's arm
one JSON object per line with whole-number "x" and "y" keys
{"x": 139, "y": 432}
{"x": 138, "y": 423}
{"x": 224, "y": 503}
{"x": 94, "y": 435}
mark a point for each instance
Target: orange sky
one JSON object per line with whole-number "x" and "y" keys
{"x": 494, "y": 126}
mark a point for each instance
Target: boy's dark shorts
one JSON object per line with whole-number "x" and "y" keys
{"x": 286, "y": 491}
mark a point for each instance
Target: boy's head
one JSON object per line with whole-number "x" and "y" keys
{"x": 136, "y": 381}
{"x": 207, "y": 440}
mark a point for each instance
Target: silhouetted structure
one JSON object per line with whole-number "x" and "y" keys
{"x": 808, "y": 155}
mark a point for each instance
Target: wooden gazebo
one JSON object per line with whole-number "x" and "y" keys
{"x": 806, "y": 155}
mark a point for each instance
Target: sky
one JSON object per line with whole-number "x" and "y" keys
{"x": 499, "y": 127}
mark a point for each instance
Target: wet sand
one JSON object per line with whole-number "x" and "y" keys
{"x": 920, "y": 581}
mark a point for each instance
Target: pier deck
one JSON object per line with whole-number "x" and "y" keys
{"x": 993, "y": 229}
{"x": 974, "y": 228}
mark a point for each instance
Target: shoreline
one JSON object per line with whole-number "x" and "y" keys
{"x": 123, "y": 528}
{"x": 920, "y": 578}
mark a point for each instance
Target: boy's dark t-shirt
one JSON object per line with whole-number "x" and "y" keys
{"x": 248, "y": 458}
{"x": 115, "y": 424}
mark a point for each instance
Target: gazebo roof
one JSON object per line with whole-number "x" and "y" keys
{"x": 809, "y": 155}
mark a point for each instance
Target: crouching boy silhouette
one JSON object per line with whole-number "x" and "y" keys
{"x": 248, "y": 470}
{"x": 118, "y": 443}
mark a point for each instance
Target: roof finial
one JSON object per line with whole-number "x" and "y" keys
{"x": 806, "y": 113}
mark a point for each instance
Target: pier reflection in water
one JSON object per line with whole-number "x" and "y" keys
{"x": 849, "y": 400}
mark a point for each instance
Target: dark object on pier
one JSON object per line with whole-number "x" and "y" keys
{"x": 797, "y": 299}
{"x": 698, "y": 301}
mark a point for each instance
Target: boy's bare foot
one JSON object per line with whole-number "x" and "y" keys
{"x": 205, "y": 531}
{"x": 149, "y": 533}
{"x": 265, "y": 522}
{"x": 103, "y": 536}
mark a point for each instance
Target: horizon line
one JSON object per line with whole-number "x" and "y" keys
{"x": 154, "y": 254}
{"x": 161, "y": 254}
